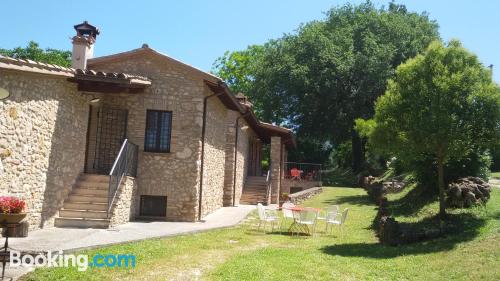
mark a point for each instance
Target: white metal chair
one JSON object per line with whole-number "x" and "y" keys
{"x": 266, "y": 216}
{"x": 287, "y": 213}
{"x": 305, "y": 220}
{"x": 334, "y": 219}
{"x": 330, "y": 209}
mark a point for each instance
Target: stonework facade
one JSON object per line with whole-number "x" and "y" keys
{"x": 43, "y": 127}
{"x": 276, "y": 168}
{"x": 244, "y": 136}
{"x": 49, "y": 131}
{"x": 174, "y": 174}
{"x": 125, "y": 203}
{"x": 214, "y": 157}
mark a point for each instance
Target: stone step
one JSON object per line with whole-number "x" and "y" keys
{"x": 254, "y": 189}
{"x": 79, "y": 205}
{"x": 254, "y": 193}
{"x": 255, "y": 182}
{"x": 94, "y": 178}
{"x": 81, "y": 223}
{"x": 253, "y": 197}
{"x": 90, "y": 191}
{"x": 256, "y": 177}
{"x": 87, "y": 198}
{"x": 93, "y": 184}
{"x": 89, "y": 214}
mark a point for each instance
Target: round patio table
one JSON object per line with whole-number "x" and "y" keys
{"x": 298, "y": 209}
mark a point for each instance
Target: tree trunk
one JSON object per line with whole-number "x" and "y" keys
{"x": 358, "y": 155}
{"x": 442, "y": 210}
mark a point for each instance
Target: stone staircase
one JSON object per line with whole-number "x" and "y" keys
{"x": 254, "y": 191}
{"x": 87, "y": 204}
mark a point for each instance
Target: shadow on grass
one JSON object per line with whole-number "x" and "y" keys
{"x": 412, "y": 202}
{"x": 459, "y": 228}
{"x": 352, "y": 200}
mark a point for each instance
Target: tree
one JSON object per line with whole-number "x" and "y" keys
{"x": 34, "y": 52}
{"x": 319, "y": 79}
{"x": 441, "y": 103}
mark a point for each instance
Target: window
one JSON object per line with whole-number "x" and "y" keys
{"x": 153, "y": 206}
{"x": 158, "y": 131}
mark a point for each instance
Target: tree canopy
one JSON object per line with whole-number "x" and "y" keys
{"x": 34, "y": 52}
{"x": 319, "y": 79}
{"x": 442, "y": 103}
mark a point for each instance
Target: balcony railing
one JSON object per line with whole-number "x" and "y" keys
{"x": 303, "y": 171}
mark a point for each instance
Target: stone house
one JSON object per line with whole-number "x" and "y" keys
{"x": 134, "y": 135}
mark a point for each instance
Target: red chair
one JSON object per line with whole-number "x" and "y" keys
{"x": 295, "y": 173}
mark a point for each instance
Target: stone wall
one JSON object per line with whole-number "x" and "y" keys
{"x": 176, "y": 174}
{"x": 301, "y": 196}
{"x": 244, "y": 137}
{"x": 125, "y": 204}
{"x": 214, "y": 156}
{"x": 276, "y": 169}
{"x": 43, "y": 126}
{"x": 287, "y": 184}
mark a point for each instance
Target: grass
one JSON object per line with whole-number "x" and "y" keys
{"x": 242, "y": 253}
{"x": 495, "y": 175}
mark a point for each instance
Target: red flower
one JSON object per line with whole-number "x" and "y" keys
{"x": 11, "y": 205}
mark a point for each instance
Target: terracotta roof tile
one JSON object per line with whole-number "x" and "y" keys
{"x": 45, "y": 68}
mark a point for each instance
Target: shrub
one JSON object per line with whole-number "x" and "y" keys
{"x": 474, "y": 164}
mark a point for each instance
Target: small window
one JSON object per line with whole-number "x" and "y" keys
{"x": 158, "y": 131}
{"x": 153, "y": 206}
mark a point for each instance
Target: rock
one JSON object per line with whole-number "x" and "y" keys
{"x": 467, "y": 192}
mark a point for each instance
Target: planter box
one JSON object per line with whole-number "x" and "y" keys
{"x": 12, "y": 218}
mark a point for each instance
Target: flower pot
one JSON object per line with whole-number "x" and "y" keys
{"x": 12, "y": 218}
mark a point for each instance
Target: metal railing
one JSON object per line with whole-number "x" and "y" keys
{"x": 303, "y": 171}
{"x": 125, "y": 165}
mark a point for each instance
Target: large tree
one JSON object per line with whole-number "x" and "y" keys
{"x": 34, "y": 52}
{"x": 442, "y": 103}
{"x": 319, "y": 79}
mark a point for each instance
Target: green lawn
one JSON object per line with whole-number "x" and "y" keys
{"x": 242, "y": 253}
{"x": 495, "y": 175}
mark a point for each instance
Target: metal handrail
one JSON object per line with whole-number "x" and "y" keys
{"x": 125, "y": 164}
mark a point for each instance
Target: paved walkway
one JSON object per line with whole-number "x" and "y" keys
{"x": 72, "y": 239}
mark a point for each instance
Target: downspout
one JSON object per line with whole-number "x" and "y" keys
{"x": 203, "y": 129}
{"x": 236, "y": 153}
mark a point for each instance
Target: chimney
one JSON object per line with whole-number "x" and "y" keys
{"x": 83, "y": 44}
{"x": 242, "y": 99}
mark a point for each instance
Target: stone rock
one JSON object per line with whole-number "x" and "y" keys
{"x": 467, "y": 192}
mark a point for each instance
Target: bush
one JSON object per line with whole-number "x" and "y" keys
{"x": 475, "y": 164}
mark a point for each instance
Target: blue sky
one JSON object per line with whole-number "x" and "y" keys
{"x": 197, "y": 32}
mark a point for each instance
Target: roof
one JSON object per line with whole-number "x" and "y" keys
{"x": 124, "y": 80}
{"x": 216, "y": 85}
{"x": 90, "y": 80}
{"x": 264, "y": 130}
{"x": 145, "y": 49}
{"x": 35, "y": 67}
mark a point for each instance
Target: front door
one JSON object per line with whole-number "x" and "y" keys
{"x": 111, "y": 132}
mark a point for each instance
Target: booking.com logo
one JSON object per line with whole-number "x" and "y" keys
{"x": 58, "y": 259}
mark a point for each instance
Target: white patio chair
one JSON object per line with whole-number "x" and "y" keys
{"x": 336, "y": 219}
{"x": 330, "y": 209}
{"x": 266, "y": 216}
{"x": 306, "y": 220}
{"x": 287, "y": 214}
